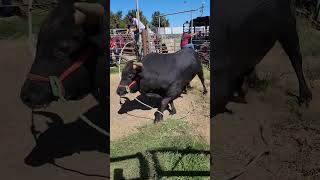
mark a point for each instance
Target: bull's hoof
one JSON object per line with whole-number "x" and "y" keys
{"x": 189, "y": 87}
{"x": 220, "y": 111}
{"x": 158, "y": 117}
{"x": 238, "y": 99}
{"x": 205, "y": 92}
{"x": 305, "y": 97}
{"x": 173, "y": 112}
{"x": 156, "y": 121}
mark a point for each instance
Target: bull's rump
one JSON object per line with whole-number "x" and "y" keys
{"x": 160, "y": 71}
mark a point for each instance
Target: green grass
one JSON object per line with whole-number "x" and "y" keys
{"x": 206, "y": 73}
{"x": 114, "y": 70}
{"x": 309, "y": 38}
{"x": 15, "y": 27}
{"x": 147, "y": 145}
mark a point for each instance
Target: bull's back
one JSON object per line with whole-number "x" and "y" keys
{"x": 169, "y": 63}
{"x": 160, "y": 71}
{"x": 246, "y": 30}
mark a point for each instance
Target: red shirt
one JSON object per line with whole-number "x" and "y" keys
{"x": 185, "y": 38}
{"x": 112, "y": 43}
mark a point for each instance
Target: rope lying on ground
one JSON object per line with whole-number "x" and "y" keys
{"x": 86, "y": 120}
{"x": 193, "y": 107}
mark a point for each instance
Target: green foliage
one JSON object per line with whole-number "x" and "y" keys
{"x": 132, "y": 12}
{"x": 118, "y": 20}
{"x": 164, "y": 22}
{"x": 15, "y": 27}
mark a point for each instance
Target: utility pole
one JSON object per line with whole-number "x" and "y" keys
{"x": 202, "y": 7}
{"x": 137, "y": 13}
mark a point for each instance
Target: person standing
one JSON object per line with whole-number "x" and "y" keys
{"x": 136, "y": 26}
{"x": 185, "y": 40}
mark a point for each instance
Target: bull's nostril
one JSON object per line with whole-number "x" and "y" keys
{"x": 27, "y": 100}
{"x": 118, "y": 92}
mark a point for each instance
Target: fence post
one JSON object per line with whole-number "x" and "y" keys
{"x": 144, "y": 43}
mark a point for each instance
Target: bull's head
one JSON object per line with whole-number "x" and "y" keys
{"x": 130, "y": 78}
{"x": 64, "y": 35}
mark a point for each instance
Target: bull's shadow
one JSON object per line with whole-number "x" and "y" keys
{"x": 144, "y": 170}
{"x": 64, "y": 139}
{"x": 130, "y": 105}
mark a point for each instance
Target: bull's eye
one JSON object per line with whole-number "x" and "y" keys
{"x": 131, "y": 76}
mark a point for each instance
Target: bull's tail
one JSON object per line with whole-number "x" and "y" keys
{"x": 200, "y": 72}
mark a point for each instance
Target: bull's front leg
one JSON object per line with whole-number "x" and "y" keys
{"x": 173, "y": 109}
{"x": 163, "y": 106}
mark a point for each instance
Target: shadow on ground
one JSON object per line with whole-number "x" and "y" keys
{"x": 130, "y": 105}
{"x": 145, "y": 169}
{"x": 65, "y": 139}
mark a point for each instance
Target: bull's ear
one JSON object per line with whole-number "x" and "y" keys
{"x": 137, "y": 65}
{"x": 88, "y": 12}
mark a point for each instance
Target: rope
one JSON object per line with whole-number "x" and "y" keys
{"x": 148, "y": 106}
{"x": 86, "y": 120}
{"x": 178, "y": 118}
{"x": 121, "y": 52}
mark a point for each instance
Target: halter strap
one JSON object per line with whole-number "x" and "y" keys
{"x": 131, "y": 84}
{"x": 56, "y": 83}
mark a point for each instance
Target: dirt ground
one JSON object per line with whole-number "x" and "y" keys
{"x": 15, "y": 137}
{"x": 126, "y": 119}
{"x": 271, "y": 121}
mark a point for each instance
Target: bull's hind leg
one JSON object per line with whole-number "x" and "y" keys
{"x": 290, "y": 43}
{"x": 200, "y": 75}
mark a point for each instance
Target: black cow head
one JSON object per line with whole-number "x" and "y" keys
{"x": 130, "y": 78}
{"x": 63, "y": 38}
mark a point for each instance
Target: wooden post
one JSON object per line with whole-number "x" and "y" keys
{"x": 144, "y": 43}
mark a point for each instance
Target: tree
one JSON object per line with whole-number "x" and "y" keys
{"x": 116, "y": 20}
{"x": 164, "y": 22}
{"x": 142, "y": 18}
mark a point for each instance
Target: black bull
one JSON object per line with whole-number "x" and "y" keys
{"x": 162, "y": 75}
{"x": 244, "y": 31}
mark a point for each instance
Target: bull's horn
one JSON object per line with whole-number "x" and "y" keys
{"x": 137, "y": 65}
{"x": 92, "y": 12}
{"x": 79, "y": 17}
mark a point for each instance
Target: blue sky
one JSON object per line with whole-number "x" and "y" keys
{"x": 164, "y": 6}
